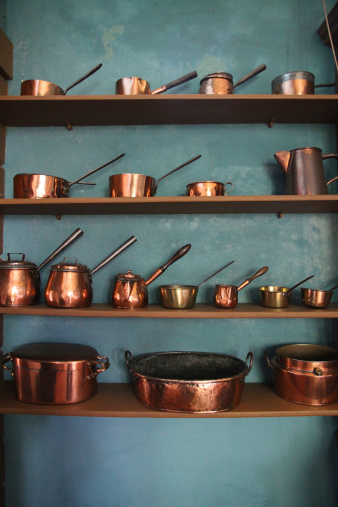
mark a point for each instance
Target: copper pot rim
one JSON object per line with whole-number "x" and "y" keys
{"x": 132, "y": 174}
{"x": 316, "y": 291}
{"x": 285, "y": 353}
{"x": 299, "y": 371}
{"x": 41, "y": 174}
{"x": 205, "y": 181}
{"x": 218, "y": 75}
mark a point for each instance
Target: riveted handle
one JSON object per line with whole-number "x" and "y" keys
{"x": 249, "y": 356}
{"x": 104, "y": 365}
{"x": 5, "y": 359}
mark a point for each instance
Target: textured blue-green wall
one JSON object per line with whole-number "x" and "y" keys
{"x": 116, "y": 462}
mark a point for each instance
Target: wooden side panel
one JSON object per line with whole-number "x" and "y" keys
{"x": 6, "y": 56}
{"x": 333, "y": 23}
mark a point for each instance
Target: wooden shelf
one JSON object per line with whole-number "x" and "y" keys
{"x": 95, "y": 110}
{"x": 119, "y": 400}
{"x": 199, "y": 311}
{"x": 279, "y": 204}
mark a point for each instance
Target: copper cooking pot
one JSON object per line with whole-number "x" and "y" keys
{"x": 70, "y": 284}
{"x": 299, "y": 82}
{"x": 226, "y": 296}
{"x": 138, "y": 185}
{"x": 39, "y": 186}
{"x": 273, "y": 296}
{"x": 55, "y": 373}
{"x": 305, "y": 373}
{"x": 137, "y": 86}
{"x": 20, "y": 279}
{"x": 189, "y": 381}
{"x": 208, "y": 188}
{"x": 221, "y": 83}
{"x": 317, "y": 298}
{"x": 131, "y": 291}
{"x": 38, "y": 87}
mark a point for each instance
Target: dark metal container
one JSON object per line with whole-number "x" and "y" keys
{"x": 189, "y": 381}
{"x": 55, "y": 373}
{"x": 294, "y": 83}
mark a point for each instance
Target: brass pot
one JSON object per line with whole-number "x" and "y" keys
{"x": 273, "y": 296}
{"x": 208, "y": 188}
{"x": 20, "y": 279}
{"x": 136, "y": 86}
{"x": 70, "y": 284}
{"x": 226, "y": 296}
{"x": 189, "y": 381}
{"x": 55, "y": 373}
{"x": 306, "y": 374}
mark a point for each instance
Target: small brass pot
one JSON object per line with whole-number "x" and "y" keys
{"x": 178, "y": 297}
{"x": 273, "y": 296}
{"x": 208, "y": 188}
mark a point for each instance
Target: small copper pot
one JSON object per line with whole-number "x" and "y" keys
{"x": 221, "y": 83}
{"x": 55, "y": 373}
{"x": 208, "y": 188}
{"x": 136, "y": 86}
{"x": 306, "y": 374}
{"x": 189, "y": 381}
{"x": 317, "y": 298}
{"x": 226, "y": 296}
{"x": 299, "y": 82}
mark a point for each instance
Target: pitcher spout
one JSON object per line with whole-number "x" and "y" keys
{"x": 283, "y": 158}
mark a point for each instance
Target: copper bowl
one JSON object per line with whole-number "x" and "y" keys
{"x": 208, "y": 188}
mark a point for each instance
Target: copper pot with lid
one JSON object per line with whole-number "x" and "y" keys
{"x": 131, "y": 291}
{"x": 70, "y": 283}
{"x": 55, "y": 373}
{"x": 20, "y": 279}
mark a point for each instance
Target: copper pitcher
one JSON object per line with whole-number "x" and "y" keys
{"x": 131, "y": 291}
{"x": 226, "y": 296}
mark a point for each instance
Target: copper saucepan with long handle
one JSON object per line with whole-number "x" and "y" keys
{"x": 139, "y": 185}
{"x": 130, "y": 290}
{"x": 40, "y": 186}
{"x": 20, "y": 279}
{"x": 226, "y": 296}
{"x": 38, "y": 87}
{"x": 70, "y": 284}
{"x": 136, "y": 86}
{"x": 273, "y": 296}
{"x": 317, "y": 298}
{"x": 221, "y": 83}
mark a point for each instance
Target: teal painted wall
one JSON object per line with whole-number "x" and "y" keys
{"x": 117, "y": 462}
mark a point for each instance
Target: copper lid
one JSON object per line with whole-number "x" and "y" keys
{"x": 59, "y": 352}
{"x": 128, "y": 277}
{"x": 17, "y": 264}
{"x": 220, "y": 75}
{"x": 70, "y": 266}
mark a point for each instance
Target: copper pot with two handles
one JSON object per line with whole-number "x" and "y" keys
{"x": 70, "y": 284}
{"x": 130, "y": 291}
{"x": 226, "y": 296}
{"x": 208, "y": 188}
{"x": 20, "y": 279}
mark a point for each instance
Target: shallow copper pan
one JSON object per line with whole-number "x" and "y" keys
{"x": 208, "y": 188}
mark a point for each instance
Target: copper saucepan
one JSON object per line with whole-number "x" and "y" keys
{"x": 137, "y": 86}
{"x": 273, "y": 296}
{"x": 130, "y": 290}
{"x": 40, "y": 186}
{"x": 138, "y": 185}
{"x": 20, "y": 279}
{"x": 298, "y": 82}
{"x": 221, "y": 83}
{"x": 181, "y": 297}
{"x": 317, "y": 298}
{"x": 70, "y": 284}
{"x": 38, "y": 87}
{"x": 226, "y": 296}
{"x": 208, "y": 188}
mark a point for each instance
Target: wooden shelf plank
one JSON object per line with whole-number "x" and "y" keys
{"x": 279, "y": 204}
{"x": 199, "y": 311}
{"x": 118, "y": 400}
{"x": 95, "y": 110}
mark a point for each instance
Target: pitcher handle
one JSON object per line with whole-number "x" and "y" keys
{"x": 231, "y": 189}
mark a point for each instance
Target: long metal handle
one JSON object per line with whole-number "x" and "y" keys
{"x": 90, "y": 73}
{"x": 218, "y": 271}
{"x": 251, "y": 74}
{"x": 117, "y": 252}
{"x": 94, "y": 171}
{"x": 77, "y": 233}
{"x": 180, "y": 253}
{"x": 260, "y": 272}
{"x": 174, "y": 170}
{"x": 174, "y": 83}
{"x": 286, "y": 294}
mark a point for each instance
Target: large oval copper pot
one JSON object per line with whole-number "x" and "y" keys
{"x": 70, "y": 284}
{"x": 306, "y": 374}
{"x": 55, "y": 373}
{"x": 189, "y": 381}
{"x": 20, "y": 279}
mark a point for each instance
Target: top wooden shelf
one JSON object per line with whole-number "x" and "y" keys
{"x": 96, "y": 110}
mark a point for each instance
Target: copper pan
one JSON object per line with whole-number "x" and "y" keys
{"x": 298, "y": 82}
{"x": 38, "y": 87}
{"x": 138, "y": 185}
{"x": 226, "y": 296}
{"x": 221, "y": 83}
{"x": 40, "y": 186}
{"x": 208, "y": 188}
{"x": 196, "y": 382}
{"x": 137, "y": 86}
{"x": 273, "y": 296}
{"x": 317, "y": 298}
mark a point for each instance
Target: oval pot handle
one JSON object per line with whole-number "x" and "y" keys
{"x": 103, "y": 366}
{"x": 129, "y": 359}
{"x": 5, "y": 359}
{"x": 267, "y": 359}
{"x": 249, "y": 356}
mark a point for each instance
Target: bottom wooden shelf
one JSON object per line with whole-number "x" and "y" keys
{"x": 118, "y": 400}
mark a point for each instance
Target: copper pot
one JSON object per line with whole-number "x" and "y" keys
{"x": 137, "y": 86}
{"x": 55, "y": 373}
{"x": 273, "y": 296}
{"x": 138, "y": 185}
{"x": 208, "y": 188}
{"x": 221, "y": 83}
{"x": 299, "y": 82}
{"x": 38, "y": 87}
{"x": 39, "y": 186}
{"x": 131, "y": 291}
{"x": 70, "y": 284}
{"x": 189, "y": 381}
{"x": 226, "y": 296}
{"x": 305, "y": 373}
{"x": 20, "y": 279}
{"x": 317, "y": 298}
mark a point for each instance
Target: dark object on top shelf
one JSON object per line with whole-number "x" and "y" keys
{"x": 333, "y": 22}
